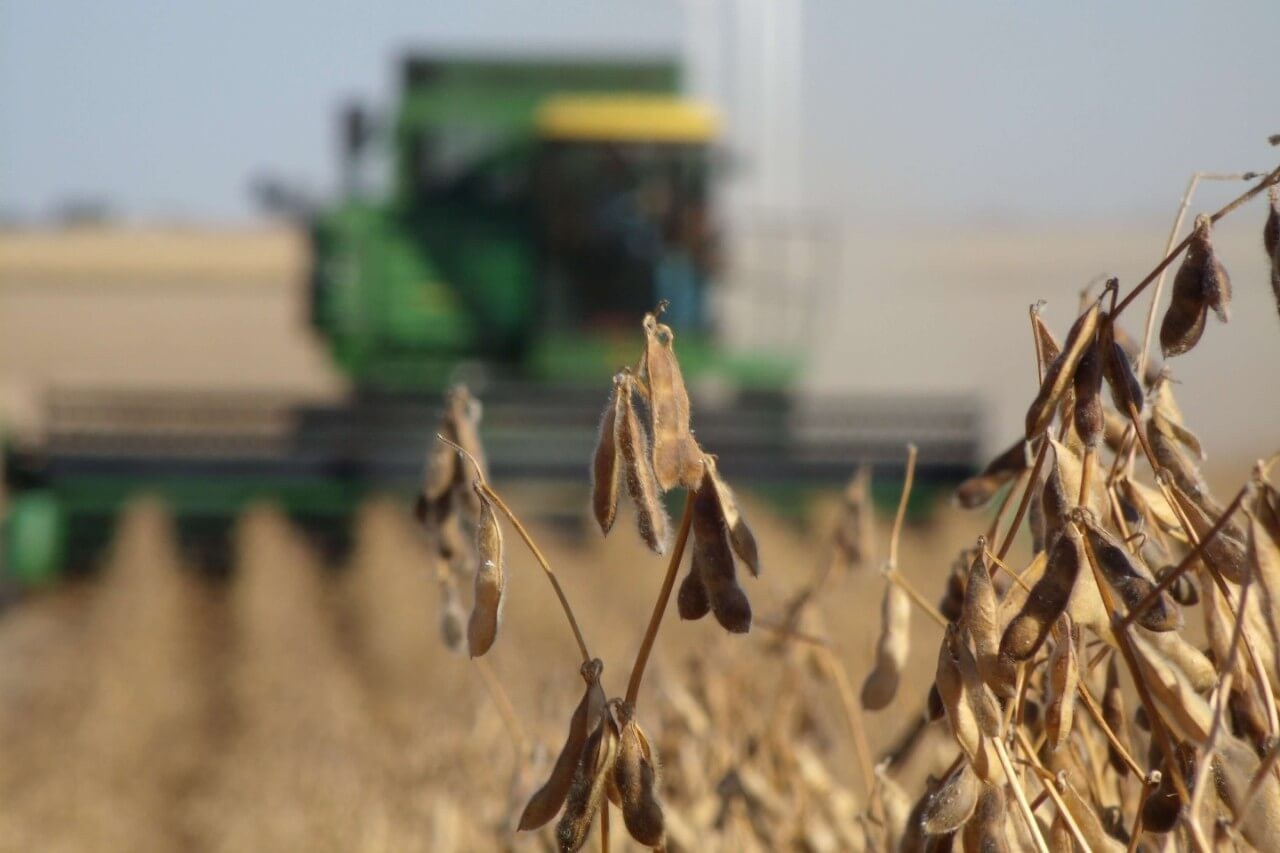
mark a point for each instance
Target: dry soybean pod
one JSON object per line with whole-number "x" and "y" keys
{"x": 590, "y": 781}
{"x": 1201, "y": 283}
{"x": 490, "y": 583}
{"x": 978, "y": 489}
{"x": 949, "y": 807}
{"x": 691, "y": 600}
{"x": 1062, "y": 678}
{"x": 1061, "y": 372}
{"x": 881, "y": 684}
{"x": 547, "y": 800}
{"x": 712, "y": 561}
{"x": 1127, "y": 575}
{"x": 986, "y": 710}
{"x": 1046, "y": 601}
{"x": 740, "y": 536}
{"x": 635, "y": 775}
{"x": 676, "y": 458}
{"x": 604, "y": 465}
{"x": 1087, "y": 384}
{"x": 986, "y": 830}
{"x": 651, "y": 516}
{"x": 960, "y": 718}
{"x": 981, "y": 617}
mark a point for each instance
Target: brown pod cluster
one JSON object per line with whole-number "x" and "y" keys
{"x": 676, "y": 456}
{"x": 1061, "y": 372}
{"x": 1271, "y": 241}
{"x": 1201, "y": 283}
{"x": 490, "y": 581}
{"x": 1128, "y": 576}
{"x": 588, "y": 717}
{"x": 881, "y": 683}
{"x": 633, "y": 453}
{"x": 635, "y": 776}
{"x": 712, "y": 582}
{"x": 1046, "y": 601}
{"x": 980, "y": 488}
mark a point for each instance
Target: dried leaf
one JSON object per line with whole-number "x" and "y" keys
{"x": 1121, "y": 379}
{"x": 986, "y": 710}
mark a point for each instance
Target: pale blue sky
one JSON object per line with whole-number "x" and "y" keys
{"x": 944, "y": 111}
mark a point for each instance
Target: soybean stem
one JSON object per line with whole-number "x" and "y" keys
{"x": 908, "y": 480}
{"x": 660, "y": 606}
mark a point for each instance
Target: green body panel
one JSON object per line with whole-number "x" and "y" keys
{"x": 34, "y": 538}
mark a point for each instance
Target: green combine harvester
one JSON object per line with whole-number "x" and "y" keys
{"x": 537, "y": 210}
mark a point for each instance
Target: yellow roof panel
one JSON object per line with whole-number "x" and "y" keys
{"x": 629, "y": 118}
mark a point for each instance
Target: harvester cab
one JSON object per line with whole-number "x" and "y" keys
{"x": 536, "y": 209}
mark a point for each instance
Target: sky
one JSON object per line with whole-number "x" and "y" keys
{"x": 981, "y": 111}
